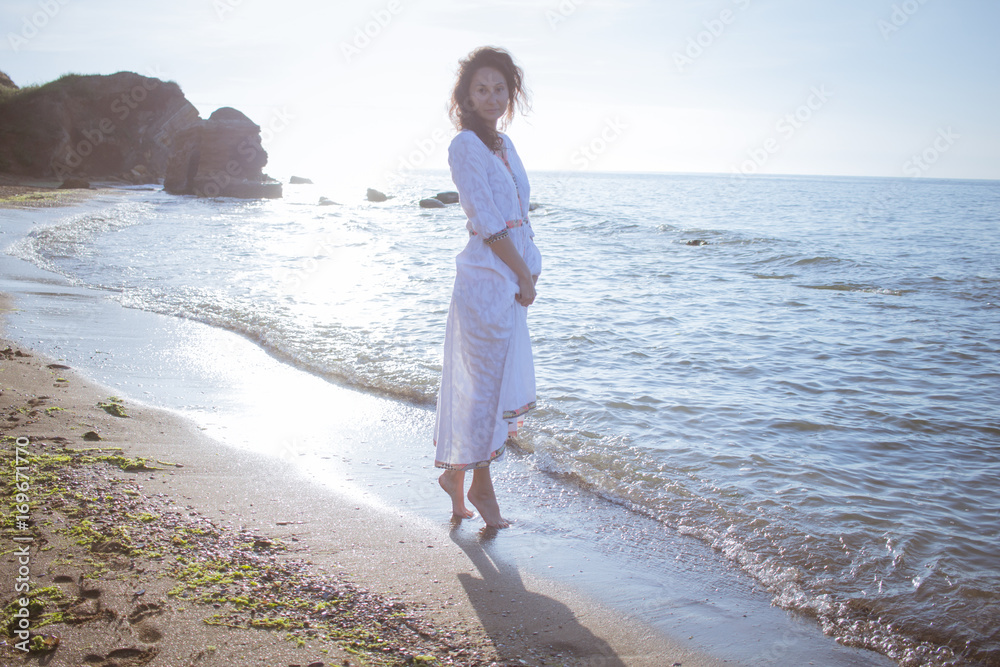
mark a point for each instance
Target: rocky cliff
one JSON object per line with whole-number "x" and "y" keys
{"x": 92, "y": 126}
{"x": 131, "y": 127}
{"x": 220, "y": 155}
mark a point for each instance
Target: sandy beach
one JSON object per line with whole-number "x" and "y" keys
{"x": 29, "y": 193}
{"x": 154, "y": 545}
{"x": 149, "y": 543}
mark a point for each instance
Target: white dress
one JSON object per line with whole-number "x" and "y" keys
{"x": 488, "y": 377}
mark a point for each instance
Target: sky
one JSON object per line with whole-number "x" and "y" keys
{"x": 359, "y": 90}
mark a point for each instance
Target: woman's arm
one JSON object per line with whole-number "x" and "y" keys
{"x": 508, "y": 254}
{"x": 468, "y": 160}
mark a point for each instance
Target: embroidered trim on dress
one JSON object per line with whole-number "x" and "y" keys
{"x": 511, "y": 224}
{"x": 471, "y": 466}
{"x": 496, "y": 237}
{"x": 511, "y": 414}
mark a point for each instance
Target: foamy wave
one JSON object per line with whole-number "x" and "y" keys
{"x": 379, "y": 372}
{"x": 71, "y": 239}
{"x": 751, "y": 539}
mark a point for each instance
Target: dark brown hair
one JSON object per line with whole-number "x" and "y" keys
{"x": 461, "y": 112}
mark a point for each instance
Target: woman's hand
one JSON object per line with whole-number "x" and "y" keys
{"x": 526, "y": 295}
{"x": 508, "y": 254}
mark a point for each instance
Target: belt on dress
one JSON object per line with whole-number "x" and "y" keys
{"x": 511, "y": 224}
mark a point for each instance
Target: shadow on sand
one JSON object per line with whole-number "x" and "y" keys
{"x": 522, "y": 624}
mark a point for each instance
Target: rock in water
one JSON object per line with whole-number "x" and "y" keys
{"x": 375, "y": 195}
{"x": 299, "y": 180}
{"x": 431, "y": 203}
{"x": 220, "y": 157}
{"x": 447, "y": 197}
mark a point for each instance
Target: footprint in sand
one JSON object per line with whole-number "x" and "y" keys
{"x": 122, "y": 657}
{"x": 145, "y": 630}
{"x": 144, "y": 611}
{"x": 148, "y": 633}
{"x": 87, "y": 607}
{"x": 90, "y": 593}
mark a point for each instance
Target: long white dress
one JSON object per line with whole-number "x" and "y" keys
{"x": 488, "y": 376}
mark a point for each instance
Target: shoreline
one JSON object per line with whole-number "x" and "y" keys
{"x": 153, "y": 464}
{"x": 468, "y": 584}
{"x": 18, "y": 192}
{"x": 133, "y": 539}
{"x": 117, "y": 515}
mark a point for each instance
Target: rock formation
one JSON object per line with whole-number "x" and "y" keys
{"x": 94, "y": 126}
{"x": 129, "y": 127}
{"x": 219, "y": 157}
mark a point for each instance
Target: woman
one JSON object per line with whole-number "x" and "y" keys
{"x": 488, "y": 378}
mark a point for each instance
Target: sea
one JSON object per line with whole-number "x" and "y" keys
{"x": 801, "y": 374}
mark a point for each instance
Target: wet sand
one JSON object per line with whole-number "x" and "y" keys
{"x": 156, "y": 545}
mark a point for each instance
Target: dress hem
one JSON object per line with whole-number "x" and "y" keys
{"x": 513, "y": 414}
{"x": 471, "y": 466}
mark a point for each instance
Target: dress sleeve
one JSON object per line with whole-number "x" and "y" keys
{"x": 469, "y": 172}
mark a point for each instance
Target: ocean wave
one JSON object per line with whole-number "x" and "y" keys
{"x": 50, "y": 247}
{"x": 803, "y": 572}
{"x": 378, "y": 370}
{"x": 864, "y": 289}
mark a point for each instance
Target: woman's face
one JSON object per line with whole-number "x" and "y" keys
{"x": 488, "y": 94}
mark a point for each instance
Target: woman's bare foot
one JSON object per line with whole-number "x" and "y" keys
{"x": 453, "y": 483}
{"x": 484, "y": 498}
